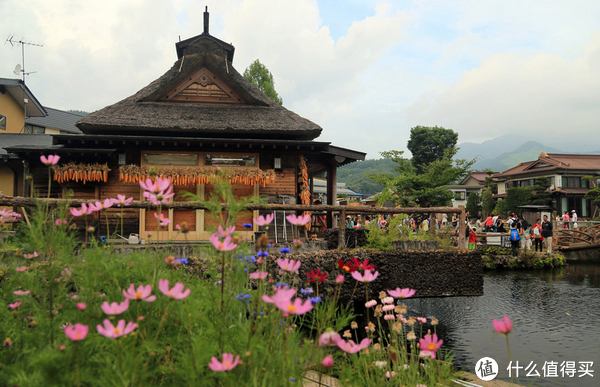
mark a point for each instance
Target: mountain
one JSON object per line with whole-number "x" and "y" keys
{"x": 355, "y": 175}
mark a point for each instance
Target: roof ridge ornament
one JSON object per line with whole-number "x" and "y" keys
{"x": 206, "y": 15}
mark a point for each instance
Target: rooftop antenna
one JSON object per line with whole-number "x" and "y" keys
{"x": 21, "y": 68}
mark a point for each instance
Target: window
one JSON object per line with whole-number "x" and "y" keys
{"x": 230, "y": 160}
{"x": 32, "y": 129}
{"x": 2, "y": 122}
{"x": 171, "y": 158}
{"x": 571, "y": 182}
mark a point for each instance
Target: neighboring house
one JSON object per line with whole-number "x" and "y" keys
{"x": 202, "y": 113}
{"x": 472, "y": 183}
{"x": 565, "y": 172}
{"x": 17, "y": 103}
{"x": 320, "y": 191}
{"x": 55, "y": 122}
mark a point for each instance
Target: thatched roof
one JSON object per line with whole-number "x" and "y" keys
{"x": 253, "y": 115}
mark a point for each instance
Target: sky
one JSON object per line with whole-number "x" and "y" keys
{"x": 366, "y": 71}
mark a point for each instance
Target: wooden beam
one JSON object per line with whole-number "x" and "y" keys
{"x": 331, "y": 190}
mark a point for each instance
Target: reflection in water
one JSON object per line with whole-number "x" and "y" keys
{"x": 555, "y": 313}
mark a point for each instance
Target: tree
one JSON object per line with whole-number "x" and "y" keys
{"x": 515, "y": 197}
{"x": 487, "y": 202}
{"x": 540, "y": 192}
{"x": 473, "y": 204}
{"x": 428, "y": 144}
{"x": 262, "y": 78}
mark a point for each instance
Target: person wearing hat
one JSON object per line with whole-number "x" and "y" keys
{"x": 349, "y": 222}
{"x": 574, "y": 218}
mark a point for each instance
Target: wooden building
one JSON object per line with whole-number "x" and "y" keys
{"x": 202, "y": 112}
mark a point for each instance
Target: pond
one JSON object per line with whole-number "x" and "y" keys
{"x": 555, "y": 315}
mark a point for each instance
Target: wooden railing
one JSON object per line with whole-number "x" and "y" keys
{"x": 333, "y": 210}
{"x": 578, "y": 238}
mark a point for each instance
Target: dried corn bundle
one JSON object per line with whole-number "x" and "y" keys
{"x": 198, "y": 175}
{"x": 81, "y": 172}
{"x": 304, "y": 186}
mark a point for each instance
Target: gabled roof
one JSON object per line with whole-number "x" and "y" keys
{"x": 235, "y": 106}
{"x": 547, "y": 162}
{"x": 10, "y": 140}
{"x": 19, "y": 91}
{"x": 57, "y": 119}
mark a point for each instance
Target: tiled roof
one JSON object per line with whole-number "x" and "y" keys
{"x": 57, "y": 119}
{"x": 552, "y": 162}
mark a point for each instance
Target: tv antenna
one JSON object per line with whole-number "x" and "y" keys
{"x": 20, "y": 69}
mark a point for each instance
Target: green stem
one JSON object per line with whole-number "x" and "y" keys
{"x": 509, "y": 357}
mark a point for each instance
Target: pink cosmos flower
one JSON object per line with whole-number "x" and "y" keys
{"x": 60, "y": 222}
{"x": 227, "y": 364}
{"x": 430, "y": 345}
{"x": 142, "y": 293}
{"x": 61, "y": 347}
{"x": 21, "y": 292}
{"x": 296, "y": 307}
{"x": 263, "y": 220}
{"x": 50, "y": 160}
{"x": 351, "y": 347}
{"x": 21, "y": 268}
{"x": 223, "y": 233}
{"x": 15, "y": 305}
{"x": 7, "y": 342}
{"x": 156, "y": 186}
{"x": 81, "y": 306}
{"x": 114, "y": 308}
{"x": 503, "y": 327}
{"x": 112, "y": 332}
{"x": 402, "y": 318}
{"x": 77, "y": 332}
{"x": 161, "y": 197}
{"x": 85, "y": 210}
{"x": 329, "y": 338}
{"x": 282, "y": 295}
{"x": 288, "y": 264}
{"x": 327, "y": 361}
{"x": 222, "y": 245}
{"x": 339, "y": 279}
{"x": 390, "y": 375}
{"x": 102, "y": 205}
{"x": 258, "y": 275}
{"x": 402, "y": 293}
{"x": 422, "y": 320}
{"x": 32, "y": 255}
{"x": 298, "y": 220}
{"x": 176, "y": 293}
{"x": 370, "y": 304}
{"x": 367, "y": 277}
{"x": 162, "y": 221}
{"x": 7, "y": 215}
{"x": 122, "y": 201}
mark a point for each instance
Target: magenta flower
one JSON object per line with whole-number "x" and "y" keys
{"x": 258, "y": 275}
{"x": 103, "y": 205}
{"x": 114, "y": 308}
{"x": 227, "y": 364}
{"x": 263, "y": 220}
{"x": 21, "y": 292}
{"x": 339, "y": 279}
{"x": 327, "y": 361}
{"x": 7, "y": 215}
{"x": 503, "y": 327}
{"x": 222, "y": 245}
{"x": 288, "y": 264}
{"x": 60, "y": 222}
{"x": 298, "y": 220}
{"x": 367, "y": 277}
{"x": 142, "y": 293}
{"x": 329, "y": 338}
{"x": 422, "y": 320}
{"x": 177, "y": 293}
{"x": 85, "y": 210}
{"x": 21, "y": 268}
{"x": 77, "y": 332}
{"x": 162, "y": 221}
{"x": 296, "y": 307}
{"x": 223, "y": 233}
{"x": 81, "y": 306}
{"x": 351, "y": 347}
{"x": 122, "y": 201}
{"x": 430, "y": 345}
{"x": 50, "y": 160}
{"x": 156, "y": 186}
{"x": 15, "y": 305}
{"x": 402, "y": 293}
{"x": 282, "y": 295}
{"x": 112, "y": 332}
{"x": 32, "y": 255}
{"x": 161, "y": 197}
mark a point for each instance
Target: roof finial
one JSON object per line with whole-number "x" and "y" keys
{"x": 206, "y": 20}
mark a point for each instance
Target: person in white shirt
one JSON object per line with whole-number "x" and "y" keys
{"x": 574, "y": 218}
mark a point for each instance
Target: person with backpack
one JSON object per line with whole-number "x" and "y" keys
{"x": 515, "y": 239}
{"x": 547, "y": 234}
{"x": 537, "y": 236}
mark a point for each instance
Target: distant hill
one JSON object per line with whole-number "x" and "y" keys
{"x": 355, "y": 174}
{"x": 79, "y": 112}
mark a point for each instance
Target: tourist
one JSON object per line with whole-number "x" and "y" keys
{"x": 500, "y": 225}
{"x": 515, "y": 239}
{"x": 537, "y": 235}
{"x": 495, "y": 223}
{"x": 547, "y": 234}
{"x": 454, "y": 221}
{"x": 574, "y": 218}
{"x": 349, "y": 222}
{"x": 473, "y": 240}
{"x": 566, "y": 219}
{"x": 445, "y": 220}
{"x": 489, "y": 221}
{"x": 526, "y": 241}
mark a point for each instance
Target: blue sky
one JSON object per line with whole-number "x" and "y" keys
{"x": 365, "y": 70}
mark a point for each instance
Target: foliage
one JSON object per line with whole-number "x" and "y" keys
{"x": 429, "y": 144}
{"x": 494, "y": 257}
{"x": 261, "y": 77}
{"x": 473, "y": 204}
{"x": 487, "y": 202}
{"x": 516, "y": 196}
{"x": 594, "y": 193}
{"x": 355, "y": 175}
{"x": 541, "y": 194}
{"x": 382, "y": 238}
{"x": 427, "y": 189}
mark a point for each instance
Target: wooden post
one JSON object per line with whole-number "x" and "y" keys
{"x": 462, "y": 219}
{"x": 342, "y": 230}
{"x": 432, "y": 224}
{"x": 331, "y": 190}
